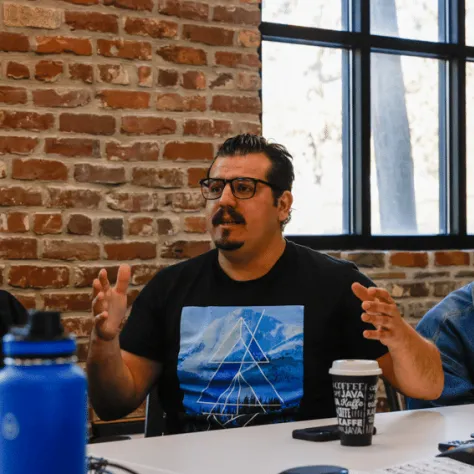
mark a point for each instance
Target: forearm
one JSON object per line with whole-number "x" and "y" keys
{"x": 111, "y": 386}
{"x": 417, "y": 367}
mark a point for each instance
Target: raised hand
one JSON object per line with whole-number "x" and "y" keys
{"x": 382, "y": 311}
{"x": 109, "y": 305}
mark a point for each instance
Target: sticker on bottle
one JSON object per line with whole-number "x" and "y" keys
{"x": 10, "y": 427}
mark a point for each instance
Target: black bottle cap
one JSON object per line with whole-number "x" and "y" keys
{"x": 45, "y": 325}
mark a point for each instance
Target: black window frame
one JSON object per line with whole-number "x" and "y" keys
{"x": 359, "y": 44}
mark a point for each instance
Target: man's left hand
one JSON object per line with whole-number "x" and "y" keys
{"x": 381, "y": 310}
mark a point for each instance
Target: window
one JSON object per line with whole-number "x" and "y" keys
{"x": 373, "y": 100}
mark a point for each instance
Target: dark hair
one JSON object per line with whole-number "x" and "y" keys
{"x": 281, "y": 172}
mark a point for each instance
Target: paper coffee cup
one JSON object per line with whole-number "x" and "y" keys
{"x": 355, "y": 398}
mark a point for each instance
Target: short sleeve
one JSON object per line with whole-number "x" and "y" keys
{"x": 12, "y": 312}
{"x": 358, "y": 347}
{"x": 143, "y": 332}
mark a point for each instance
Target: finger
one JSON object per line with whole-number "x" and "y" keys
{"x": 375, "y": 307}
{"x": 104, "y": 280}
{"x": 361, "y": 292}
{"x": 123, "y": 279}
{"x": 99, "y": 304}
{"x": 378, "y": 334}
{"x": 385, "y": 322}
{"x": 101, "y": 318}
{"x": 380, "y": 293}
{"x": 96, "y": 288}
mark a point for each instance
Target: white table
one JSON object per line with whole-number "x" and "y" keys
{"x": 401, "y": 437}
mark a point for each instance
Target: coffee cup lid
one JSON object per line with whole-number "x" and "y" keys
{"x": 355, "y": 367}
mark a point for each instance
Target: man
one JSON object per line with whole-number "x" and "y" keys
{"x": 246, "y": 333}
{"x": 450, "y": 326}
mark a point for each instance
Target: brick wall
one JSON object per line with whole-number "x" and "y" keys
{"x": 110, "y": 111}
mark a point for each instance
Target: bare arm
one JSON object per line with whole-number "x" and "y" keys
{"x": 118, "y": 380}
{"x": 413, "y": 364}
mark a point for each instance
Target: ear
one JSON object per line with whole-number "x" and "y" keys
{"x": 285, "y": 201}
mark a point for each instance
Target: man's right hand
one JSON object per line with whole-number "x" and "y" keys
{"x": 109, "y": 305}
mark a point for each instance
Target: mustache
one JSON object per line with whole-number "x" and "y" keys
{"x": 233, "y": 216}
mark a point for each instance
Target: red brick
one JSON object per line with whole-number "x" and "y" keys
{"x": 80, "y": 326}
{"x": 409, "y": 259}
{"x": 366, "y": 259}
{"x": 17, "y": 70}
{"x": 117, "y": 99}
{"x": 14, "y": 42}
{"x": 182, "y": 249}
{"x": 61, "y": 44}
{"x": 195, "y": 175}
{"x": 167, "y": 78}
{"x": 248, "y": 81}
{"x": 233, "y": 104}
{"x": 91, "y": 21}
{"x": 212, "y": 36}
{"x": 27, "y": 301}
{"x": 224, "y": 80}
{"x": 12, "y": 95}
{"x": 208, "y": 128}
{"x": 188, "y": 151}
{"x": 249, "y": 38}
{"x": 167, "y": 226}
{"x": 30, "y": 276}
{"x": 113, "y": 74}
{"x": 67, "y": 302}
{"x": 236, "y": 15}
{"x": 151, "y": 27}
{"x": 79, "y": 224}
{"x": 47, "y": 223}
{"x": 148, "y": 126}
{"x": 185, "y": 201}
{"x": 142, "y": 226}
{"x": 20, "y": 196}
{"x": 81, "y": 72}
{"x": 146, "y": 151}
{"x": 178, "y": 103}
{"x": 84, "y": 276}
{"x": 134, "y": 202}
{"x": 73, "y": 198}
{"x": 18, "y": 248}
{"x": 82, "y": 2}
{"x": 404, "y": 290}
{"x": 112, "y": 228}
{"x": 18, "y": 15}
{"x": 124, "y": 49}
{"x": 16, "y": 222}
{"x": 86, "y": 123}
{"x": 70, "y": 250}
{"x": 86, "y": 173}
{"x": 195, "y": 224}
{"x": 230, "y": 59}
{"x": 184, "y": 9}
{"x": 142, "y": 274}
{"x": 26, "y": 121}
{"x": 48, "y": 71}
{"x": 183, "y": 55}
{"x": 61, "y": 98}
{"x": 158, "y": 178}
{"x": 145, "y": 76}
{"x": 131, "y": 4}
{"x": 72, "y": 147}
{"x": 130, "y": 251}
{"x": 132, "y": 295}
{"x": 194, "y": 80}
{"x": 250, "y": 127}
{"x": 34, "y": 169}
{"x": 17, "y": 145}
{"x": 445, "y": 259}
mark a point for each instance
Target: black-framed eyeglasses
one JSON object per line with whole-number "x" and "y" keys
{"x": 242, "y": 188}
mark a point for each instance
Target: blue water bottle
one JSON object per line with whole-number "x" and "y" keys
{"x": 43, "y": 400}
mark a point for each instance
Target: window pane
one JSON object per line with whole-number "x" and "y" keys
{"x": 469, "y": 22}
{"x": 470, "y": 146}
{"x": 405, "y": 19}
{"x": 405, "y": 137}
{"x": 302, "y": 109}
{"x": 313, "y": 13}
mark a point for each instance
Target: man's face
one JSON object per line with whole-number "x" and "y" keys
{"x": 243, "y": 223}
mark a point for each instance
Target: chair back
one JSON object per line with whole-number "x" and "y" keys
{"x": 396, "y": 400}
{"x": 154, "y": 415}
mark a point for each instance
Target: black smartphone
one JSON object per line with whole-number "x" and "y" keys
{"x": 319, "y": 433}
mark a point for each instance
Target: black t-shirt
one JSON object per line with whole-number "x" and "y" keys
{"x": 239, "y": 353}
{"x": 12, "y": 313}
